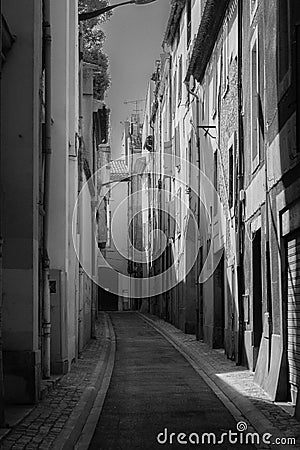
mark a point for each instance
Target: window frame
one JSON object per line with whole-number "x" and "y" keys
{"x": 231, "y": 148}
{"x": 189, "y": 155}
{"x": 188, "y": 22}
{"x": 225, "y": 53}
{"x": 285, "y": 82}
{"x": 216, "y": 184}
{"x": 178, "y": 210}
{"x": 108, "y": 241}
{"x": 174, "y": 92}
{"x": 179, "y": 81}
{"x": 177, "y": 146}
{"x": 254, "y": 43}
{"x": 214, "y": 86}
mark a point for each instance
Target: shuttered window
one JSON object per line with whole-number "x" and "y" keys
{"x": 293, "y": 311}
{"x": 254, "y": 100}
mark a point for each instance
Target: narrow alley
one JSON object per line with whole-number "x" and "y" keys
{"x": 149, "y": 224}
{"x": 142, "y": 383}
{"x": 154, "y": 388}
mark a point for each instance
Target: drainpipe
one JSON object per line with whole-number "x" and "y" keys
{"x": 239, "y": 253}
{"x": 2, "y": 409}
{"x": 93, "y": 291}
{"x": 46, "y": 325}
{"x": 153, "y": 180}
{"x": 268, "y": 257}
{"x": 80, "y": 185}
{"x": 2, "y": 417}
{"x": 199, "y": 306}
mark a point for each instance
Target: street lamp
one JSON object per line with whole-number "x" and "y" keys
{"x": 105, "y": 9}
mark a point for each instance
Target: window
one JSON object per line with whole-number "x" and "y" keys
{"x": 189, "y": 167}
{"x": 230, "y": 177}
{"x": 203, "y": 107}
{"x": 216, "y": 182}
{"x": 284, "y": 44}
{"x": 178, "y": 210}
{"x": 180, "y": 80}
{"x": 177, "y": 146}
{"x": 214, "y": 85}
{"x": 108, "y": 244}
{"x": 208, "y": 244}
{"x": 174, "y": 95}
{"x": 254, "y": 101}
{"x": 225, "y": 62}
{"x": 168, "y": 188}
{"x": 188, "y": 21}
{"x": 231, "y": 170}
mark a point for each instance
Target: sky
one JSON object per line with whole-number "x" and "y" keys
{"x": 134, "y": 36}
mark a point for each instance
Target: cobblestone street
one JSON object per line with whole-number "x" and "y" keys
{"x": 149, "y": 224}
{"x": 236, "y": 382}
{"x": 47, "y": 420}
{"x": 60, "y": 419}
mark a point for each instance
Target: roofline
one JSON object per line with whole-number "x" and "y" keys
{"x": 174, "y": 17}
{"x": 211, "y": 21}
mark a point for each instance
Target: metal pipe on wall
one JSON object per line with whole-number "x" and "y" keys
{"x": 199, "y": 306}
{"x": 2, "y": 417}
{"x": 94, "y": 265}
{"x": 80, "y": 185}
{"x": 46, "y": 321}
{"x": 240, "y": 279}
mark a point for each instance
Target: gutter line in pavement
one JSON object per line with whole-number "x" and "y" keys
{"x": 240, "y": 407}
{"x": 88, "y": 409}
{"x": 91, "y": 423}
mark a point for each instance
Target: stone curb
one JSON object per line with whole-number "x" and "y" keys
{"x": 239, "y": 406}
{"x": 92, "y": 420}
{"x": 73, "y": 428}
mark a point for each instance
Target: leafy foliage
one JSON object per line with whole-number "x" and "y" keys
{"x": 93, "y": 39}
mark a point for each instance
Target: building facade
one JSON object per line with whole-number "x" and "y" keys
{"x": 115, "y": 290}
{"x": 49, "y": 150}
{"x": 224, "y": 101}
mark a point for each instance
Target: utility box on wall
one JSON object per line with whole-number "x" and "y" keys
{"x": 58, "y": 346}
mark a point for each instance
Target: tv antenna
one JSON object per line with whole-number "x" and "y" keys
{"x": 136, "y": 102}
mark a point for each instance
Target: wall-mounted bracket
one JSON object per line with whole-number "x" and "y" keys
{"x": 206, "y": 128}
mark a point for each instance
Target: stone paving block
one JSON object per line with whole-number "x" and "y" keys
{"x": 240, "y": 379}
{"x": 47, "y": 419}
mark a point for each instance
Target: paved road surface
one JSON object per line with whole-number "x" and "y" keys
{"x": 154, "y": 388}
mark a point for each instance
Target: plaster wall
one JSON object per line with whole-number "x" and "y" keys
{"x": 20, "y": 146}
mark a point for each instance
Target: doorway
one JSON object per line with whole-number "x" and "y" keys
{"x": 257, "y": 294}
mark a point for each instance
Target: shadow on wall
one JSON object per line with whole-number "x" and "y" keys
{"x": 279, "y": 363}
{"x": 289, "y": 146}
